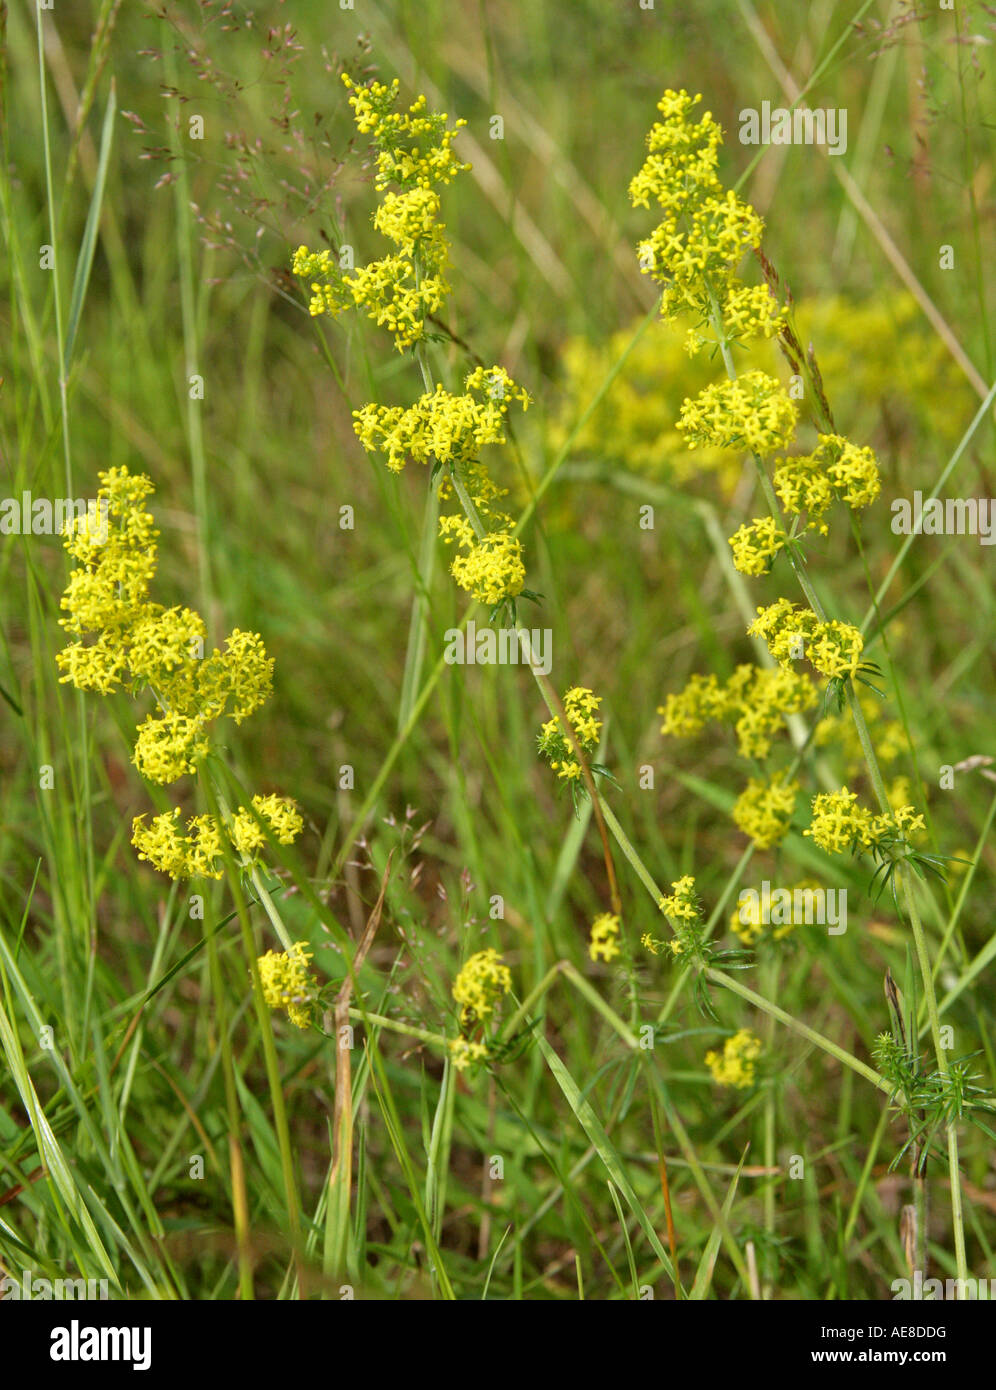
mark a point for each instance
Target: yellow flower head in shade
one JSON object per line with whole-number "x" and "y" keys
{"x": 736, "y": 1064}
{"x": 755, "y": 700}
{"x": 746, "y": 920}
{"x": 483, "y": 979}
{"x": 764, "y": 809}
{"x": 888, "y": 736}
{"x": 464, "y": 1053}
{"x": 288, "y": 984}
{"x": 756, "y": 544}
{"x": 832, "y": 648}
{"x": 754, "y": 412}
{"x": 580, "y": 707}
{"x": 604, "y": 939}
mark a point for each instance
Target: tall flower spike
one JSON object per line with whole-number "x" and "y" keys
{"x": 402, "y": 289}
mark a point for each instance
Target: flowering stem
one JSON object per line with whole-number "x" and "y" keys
{"x": 247, "y": 865}
{"x": 270, "y": 1060}
{"x": 878, "y": 784}
{"x": 418, "y": 625}
{"x": 721, "y": 978}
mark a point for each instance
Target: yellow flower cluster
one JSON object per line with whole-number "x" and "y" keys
{"x": 736, "y": 1065}
{"x": 888, "y": 736}
{"x": 399, "y": 291}
{"x": 580, "y": 707}
{"x": 752, "y": 413}
{"x": 696, "y": 249}
{"x": 413, "y": 146}
{"x": 681, "y": 908}
{"x": 492, "y": 569}
{"x": 840, "y": 823}
{"x": 764, "y": 809}
{"x": 604, "y": 937}
{"x": 681, "y": 904}
{"x": 754, "y": 699}
{"x": 832, "y": 648}
{"x": 483, "y": 979}
{"x": 836, "y": 468}
{"x": 754, "y": 928}
{"x": 756, "y": 544}
{"x": 657, "y": 947}
{"x": 464, "y": 1053}
{"x": 124, "y": 639}
{"x": 439, "y": 426}
{"x": 198, "y": 852}
{"x": 452, "y": 430}
{"x": 874, "y": 351}
{"x": 288, "y": 983}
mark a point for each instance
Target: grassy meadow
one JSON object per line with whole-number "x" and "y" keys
{"x": 684, "y": 1103}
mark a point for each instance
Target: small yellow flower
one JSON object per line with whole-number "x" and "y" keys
{"x": 832, "y": 648}
{"x": 580, "y": 707}
{"x": 756, "y": 544}
{"x": 736, "y": 1065}
{"x": 198, "y": 852}
{"x": 288, "y": 984}
{"x": 278, "y": 812}
{"x": 764, "y": 809}
{"x": 604, "y": 937}
{"x": 464, "y": 1053}
{"x": 840, "y": 823}
{"x": 681, "y": 905}
{"x": 126, "y": 639}
{"x": 753, "y": 412}
{"x": 483, "y": 980}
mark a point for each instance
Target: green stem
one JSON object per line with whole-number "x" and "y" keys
{"x": 720, "y": 977}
